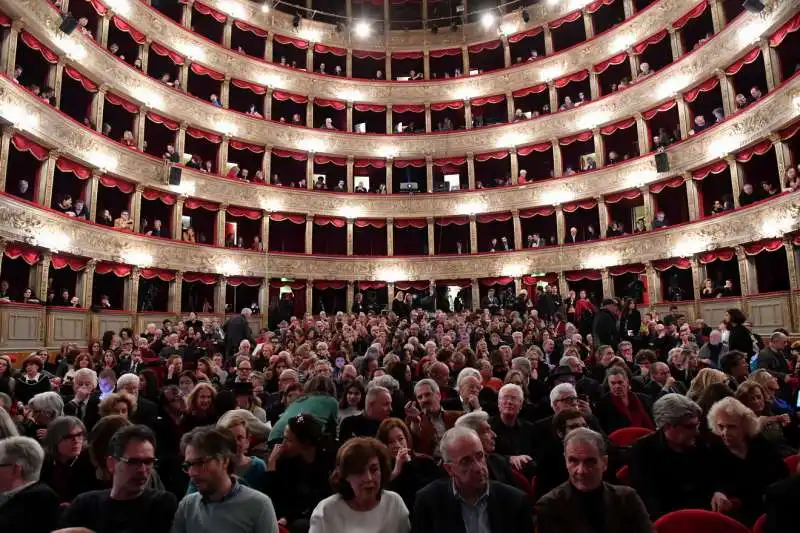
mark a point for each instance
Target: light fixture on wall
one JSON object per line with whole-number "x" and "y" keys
{"x": 362, "y": 29}
{"x": 265, "y": 7}
{"x": 18, "y": 116}
{"x": 488, "y": 19}
{"x": 601, "y": 261}
{"x": 137, "y": 257}
{"x": 228, "y": 268}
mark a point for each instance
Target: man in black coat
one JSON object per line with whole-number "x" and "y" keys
{"x": 604, "y": 328}
{"x": 441, "y": 507}
{"x": 26, "y": 506}
{"x": 236, "y": 330}
{"x": 772, "y": 357}
{"x": 780, "y": 499}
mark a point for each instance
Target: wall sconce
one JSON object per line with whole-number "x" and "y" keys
{"x": 601, "y": 261}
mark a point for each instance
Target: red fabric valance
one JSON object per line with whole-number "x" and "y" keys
{"x": 99, "y": 7}
{"x": 582, "y": 137}
{"x": 240, "y": 145}
{"x": 166, "y": 52}
{"x": 590, "y": 203}
{"x": 85, "y": 82}
{"x": 624, "y": 195}
{"x": 235, "y": 281}
{"x": 418, "y": 223}
{"x": 368, "y": 54}
{"x": 23, "y": 144}
{"x": 493, "y": 217}
{"x": 34, "y": 44}
{"x": 297, "y": 43}
{"x": 460, "y": 283}
{"x": 621, "y": 270}
{"x": 202, "y": 134}
{"x": 580, "y": 275}
{"x": 766, "y": 245}
{"x": 682, "y": 263}
{"x": 613, "y": 60}
{"x": 657, "y": 37}
{"x": 113, "y": 99}
{"x": 416, "y": 285}
{"x": 290, "y": 217}
{"x": 15, "y": 250}
{"x": 757, "y": 149}
{"x": 335, "y": 104}
{"x": 252, "y": 214}
{"x": 527, "y": 150}
{"x": 499, "y": 154}
{"x": 370, "y": 223}
{"x": 250, "y": 86}
{"x": 157, "y": 273}
{"x": 326, "y": 284}
{"x": 482, "y": 47}
{"x": 502, "y": 281}
{"x": 118, "y": 269}
{"x": 408, "y": 108}
{"x": 713, "y": 168}
{"x": 123, "y": 25}
{"x": 205, "y": 279}
{"x": 374, "y": 163}
{"x": 517, "y": 37}
{"x": 366, "y": 285}
{"x": 333, "y": 50}
{"x": 297, "y": 156}
{"x": 723, "y": 254}
{"x": 569, "y": 17}
{"x": 454, "y": 220}
{"x": 534, "y": 280}
{"x": 666, "y": 106}
{"x": 283, "y": 96}
{"x": 536, "y": 89}
{"x": 244, "y": 26}
{"x": 375, "y": 108}
{"x": 5, "y": 20}
{"x": 196, "y": 203}
{"x": 403, "y": 163}
{"x": 406, "y": 55}
{"x": 708, "y": 85}
{"x": 790, "y": 27}
{"x": 67, "y": 165}
{"x": 597, "y": 4}
{"x": 113, "y": 182}
{"x": 323, "y": 159}
{"x": 449, "y": 161}
{"x": 68, "y": 261}
{"x": 746, "y": 59}
{"x": 163, "y": 196}
{"x": 213, "y": 13}
{"x": 672, "y": 183}
{"x": 202, "y": 70}
{"x": 329, "y": 221}
{"x": 621, "y": 125}
{"x": 789, "y": 131}
{"x": 543, "y": 211}
{"x": 441, "y": 106}
{"x": 692, "y": 14}
{"x": 566, "y": 80}
{"x": 445, "y": 52}
{"x": 496, "y": 99}
{"x": 294, "y": 285}
{"x": 164, "y": 121}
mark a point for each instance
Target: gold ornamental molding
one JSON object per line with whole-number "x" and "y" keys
{"x": 19, "y": 222}
{"x": 54, "y": 130}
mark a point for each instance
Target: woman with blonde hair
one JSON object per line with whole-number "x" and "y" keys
{"x": 200, "y": 409}
{"x": 752, "y": 394}
{"x": 771, "y": 388}
{"x": 118, "y": 403}
{"x": 704, "y": 379}
{"x": 747, "y": 463}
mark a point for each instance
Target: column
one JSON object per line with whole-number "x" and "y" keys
{"x": 744, "y": 270}
{"x": 91, "y": 194}
{"x": 349, "y": 173}
{"x": 222, "y": 154}
{"x": 144, "y": 54}
{"x": 697, "y": 279}
{"x": 675, "y": 43}
{"x": 588, "y": 25}
{"x": 227, "y": 32}
{"x": 184, "y": 75}
{"x": 309, "y": 295}
{"x": 310, "y": 171}
{"x": 602, "y": 215}
{"x": 476, "y": 295}
{"x": 220, "y": 290}
{"x": 717, "y": 15}
{"x": 186, "y": 16}
{"x": 177, "y": 215}
{"x": 628, "y": 8}
{"x": 390, "y": 290}
{"x": 388, "y": 75}
{"x": 431, "y": 236}
{"x": 735, "y": 169}
{"x": 692, "y": 197}
{"x": 351, "y": 296}
{"x": 473, "y": 234}
{"x": 225, "y": 92}
{"x": 772, "y": 64}
{"x": 561, "y": 224}
{"x": 310, "y": 57}
{"x": 180, "y": 139}
{"x": 428, "y": 173}
{"x": 309, "y": 245}
{"x": 389, "y": 181}
{"x": 102, "y": 29}
{"x": 132, "y": 293}
{"x": 599, "y": 148}
{"x": 506, "y": 50}
{"x": 5, "y": 146}
{"x": 265, "y": 230}
{"x": 558, "y": 163}
{"x": 633, "y": 59}
{"x": 266, "y": 164}
{"x": 594, "y": 85}
{"x": 548, "y": 40}
{"x": 426, "y": 63}
{"x": 512, "y": 153}
{"x": 684, "y": 119}
{"x": 653, "y": 283}
{"x": 428, "y": 120}
{"x": 55, "y": 79}
{"x": 97, "y": 106}
{"x": 727, "y": 91}
{"x": 642, "y": 134}
{"x": 390, "y": 240}
{"x": 310, "y": 112}
{"x": 782, "y": 156}
{"x": 86, "y": 282}
{"x": 791, "y": 261}
{"x": 465, "y": 59}
{"x": 139, "y": 128}
{"x": 424, "y": 13}
{"x": 517, "y": 285}
{"x": 349, "y": 117}
{"x": 268, "y": 47}
{"x": 263, "y": 301}
{"x": 468, "y": 114}
{"x": 553, "y": 95}
{"x": 8, "y": 48}
{"x": 349, "y": 238}
{"x": 648, "y": 207}
{"x": 348, "y": 67}
{"x": 471, "y": 171}
{"x": 220, "y": 232}
{"x": 46, "y": 177}
{"x": 41, "y": 271}
{"x": 510, "y": 109}
{"x": 136, "y": 207}
{"x": 517, "y": 229}
{"x": 175, "y": 290}
{"x": 389, "y": 121}
{"x": 608, "y": 283}
{"x": 563, "y": 286}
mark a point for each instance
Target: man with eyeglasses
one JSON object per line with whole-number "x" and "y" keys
{"x": 562, "y": 396}
{"x": 129, "y": 506}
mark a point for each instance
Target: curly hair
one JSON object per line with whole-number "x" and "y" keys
{"x": 354, "y": 457}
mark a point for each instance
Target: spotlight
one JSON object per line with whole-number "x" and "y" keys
{"x": 362, "y": 29}
{"x": 434, "y": 29}
{"x": 526, "y": 16}
{"x": 487, "y": 20}
{"x": 296, "y": 20}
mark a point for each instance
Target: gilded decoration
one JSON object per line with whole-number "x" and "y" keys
{"x": 52, "y": 129}
{"x": 18, "y": 222}
{"x": 40, "y": 18}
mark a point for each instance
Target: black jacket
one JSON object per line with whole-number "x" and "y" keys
{"x": 34, "y": 509}
{"x": 146, "y": 412}
{"x": 88, "y": 415}
{"x": 780, "y": 501}
{"x": 740, "y": 339}
{"x": 604, "y": 328}
{"x": 437, "y": 510}
{"x": 773, "y": 361}
{"x": 415, "y": 475}
{"x": 611, "y": 418}
{"x": 236, "y": 330}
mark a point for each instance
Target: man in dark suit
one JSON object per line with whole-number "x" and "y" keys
{"x": 426, "y": 418}
{"x": 469, "y": 501}
{"x": 26, "y": 506}
{"x": 781, "y": 498}
{"x": 85, "y": 404}
{"x": 585, "y": 502}
{"x": 236, "y": 330}
{"x": 772, "y": 357}
{"x": 146, "y": 411}
{"x": 604, "y": 328}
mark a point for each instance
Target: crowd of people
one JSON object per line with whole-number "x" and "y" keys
{"x": 408, "y": 420}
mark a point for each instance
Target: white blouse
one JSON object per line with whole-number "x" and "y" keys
{"x": 333, "y": 515}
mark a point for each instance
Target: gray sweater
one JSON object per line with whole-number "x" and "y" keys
{"x": 244, "y": 511}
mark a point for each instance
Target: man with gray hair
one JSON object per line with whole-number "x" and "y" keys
{"x": 468, "y": 500}
{"x": 426, "y": 419}
{"x": 237, "y": 329}
{"x": 585, "y": 502}
{"x": 85, "y": 404}
{"x": 469, "y": 387}
{"x": 773, "y": 359}
{"x": 377, "y": 408}
{"x": 26, "y": 505}
{"x": 668, "y": 469}
{"x": 146, "y": 411}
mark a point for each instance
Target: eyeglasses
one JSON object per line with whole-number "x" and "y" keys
{"x": 568, "y": 399}
{"x": 202, "y": 462}
{"x": 149, "y": 462}
{"x": 74, "y": 436}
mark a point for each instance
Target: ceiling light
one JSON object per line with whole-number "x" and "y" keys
{"x": 362, "y": 29}
{"x": 488, "y": 20}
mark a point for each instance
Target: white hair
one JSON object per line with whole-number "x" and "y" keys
{"x": 374, "y": 391}
{"x": 25, "y": 452}
{"x": 509, "y": 387}
{"x": 465, "y": 372}
{"x": 426, "y": 382}
{"x": 472, "y": 420}
{"x": 385, "y": 382}
{"x": 125, "y": 379}
{"x": 559, "y": 391}
{"x": 86, "y": 373}
{"x": 451, "y": 436}
{"x": 49, "y": 402}
{"x": 247, "y": 311}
